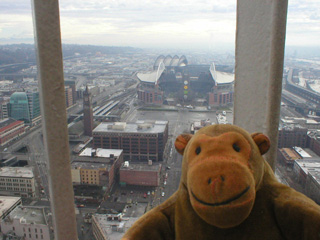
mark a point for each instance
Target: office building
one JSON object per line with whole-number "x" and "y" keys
{"x": 292, "y": 136}
{"x": 28, "y": 223}
{"x": 8, "y": 204}
{"x": 17, "y": 181}
{"x": 72, "y": 84}
{"x": 97, "y": 167}
{"x": 110, "y": 226}
{"x": 19, "y": 107}
{"x": 69, "y": 96}
{"x": 4, "y": 108}
{"x": 312, "y": 187}
{"x": 140, "y": 174}
{"x": 140, "y": 141}
{"x": 305, "y": 165}
{"x": 34, "y": 106}
{"x": 25, "y": 106}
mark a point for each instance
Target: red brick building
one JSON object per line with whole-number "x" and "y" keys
{"x": 314, "y": 144}
{"x": 291, "y": 137}
{"x": 140, "y": 141}
{"x": 218, "y": 98}
{"x": 140, "y": 174}
{"x": 150, "y": 93}
{"x": 10, "y": 129}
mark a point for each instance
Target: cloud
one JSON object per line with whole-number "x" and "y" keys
{"x": 154, "y": 22}
{"x": 303, "y": 23}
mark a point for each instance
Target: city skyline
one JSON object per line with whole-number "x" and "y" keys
{"x": 153, "y": 24}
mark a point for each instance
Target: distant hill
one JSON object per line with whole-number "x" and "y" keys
{"x": 25, "y": 53}
{"x": 17, "y": 53}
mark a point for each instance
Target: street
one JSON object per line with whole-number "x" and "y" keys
{"x": 179, "y": 122}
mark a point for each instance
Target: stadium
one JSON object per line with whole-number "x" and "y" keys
{"x": 173, "y": 81}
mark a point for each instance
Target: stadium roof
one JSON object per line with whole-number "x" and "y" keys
{"x": 162, "y": 62}
{"x": 221, "y": 77}
{"x": 171, "y": 61}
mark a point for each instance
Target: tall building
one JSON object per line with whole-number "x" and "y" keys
{"x": 19, "y": 107}
{"x": 72, "y": 84}
{"x": 4, "y": 108}
{"x": 25, "y": 106}
{"x": 69, "y": 96}
{"x": 34, "y": 107}
{"x": 87, "y": 113}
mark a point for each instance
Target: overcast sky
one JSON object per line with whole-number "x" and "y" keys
{"x": 206, "y": 24}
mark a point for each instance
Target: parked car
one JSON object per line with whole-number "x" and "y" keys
{"x": 162, "y": 194}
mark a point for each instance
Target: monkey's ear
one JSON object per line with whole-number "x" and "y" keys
{"x": 262, "y": 142}
{"x": 181, "y": 142}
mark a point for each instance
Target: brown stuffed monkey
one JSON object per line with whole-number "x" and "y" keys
{"x": 228, "y": 191}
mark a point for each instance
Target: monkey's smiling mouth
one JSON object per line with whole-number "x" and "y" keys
{"x": 224, "y": 202}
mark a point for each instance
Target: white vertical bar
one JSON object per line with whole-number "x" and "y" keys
{"x": 54, "y": 119}
{"x": 260, "y": 39}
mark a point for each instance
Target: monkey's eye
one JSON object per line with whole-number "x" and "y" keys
{"x": 236, "y": 147}
{"x": 198, "y": 150}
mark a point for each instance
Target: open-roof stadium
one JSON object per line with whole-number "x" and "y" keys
{"x": 172, "y": 80}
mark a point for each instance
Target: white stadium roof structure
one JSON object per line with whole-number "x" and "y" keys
{"x": 221, "y": 77}
{"x": 171, "y": 61}
{"x": 152, "y": 76}
{"x": 162, "y": 62}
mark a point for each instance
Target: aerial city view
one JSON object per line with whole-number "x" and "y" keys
{"x": 127, "y": 100}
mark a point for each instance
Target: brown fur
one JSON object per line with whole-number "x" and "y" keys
{"x": 228, "y": 191}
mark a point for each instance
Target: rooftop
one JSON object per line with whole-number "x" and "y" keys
{"x": 8, "y": 123}
{"x": 312, "y": 164}
{"x": 138, "y": 127}
{"x": 295, "y": 120}
{"x": 100, "y": 152}
{"x": 6, "y": 203}
{"x": 223, "y": 77}
{"x": 302, "y": 152}
{"x": 126, "y": 166}
{"x": 89, "y": 165}
{"x": 315, "y": 174}
{"x": 150, "y": 77}
{"x": 292, "y": 154}
{"x": 114, "y": 229}
{"x": 22, "y": 172}
{"x": 28, "y": 215}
